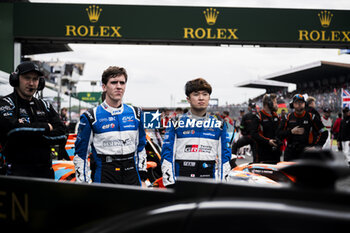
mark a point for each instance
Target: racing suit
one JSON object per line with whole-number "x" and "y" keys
{"x": 263, "y": 129}
{"x": 26, "y": 137}
{"x": 191, "y": 147}
{"x": 297, "y": 143}
{"x": 116, "y": 138}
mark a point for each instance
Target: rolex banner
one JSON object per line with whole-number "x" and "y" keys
{"x": 181, "y": 25}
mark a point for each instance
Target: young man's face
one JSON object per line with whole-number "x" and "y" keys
{"x": 115, "y": 88}
{"x": 199, "y": 100}
{"x": 28, "y": 84}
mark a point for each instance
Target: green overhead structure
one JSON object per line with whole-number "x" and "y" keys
{"x": 44, "y": 27}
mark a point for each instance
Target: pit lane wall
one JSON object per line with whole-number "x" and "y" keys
{"x": 39, "y": 205}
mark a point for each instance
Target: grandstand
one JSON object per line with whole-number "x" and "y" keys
{"x": 322, "y": 79}
{"x": 269, "y": 85}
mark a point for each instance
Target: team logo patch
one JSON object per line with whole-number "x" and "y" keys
{"x": 189, "y": 164}
{"x": 112, "y": 125}
{"x": 197, "y": 148}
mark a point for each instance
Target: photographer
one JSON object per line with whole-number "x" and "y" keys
{"x": 263, "y": 130}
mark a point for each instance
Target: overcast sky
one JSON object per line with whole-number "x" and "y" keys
{"x": 157, "y": 74}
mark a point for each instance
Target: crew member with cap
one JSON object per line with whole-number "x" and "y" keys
{"x": 327, "y": 122}
{"x": 296, "y": 128}
{"x": 28, "y": 126}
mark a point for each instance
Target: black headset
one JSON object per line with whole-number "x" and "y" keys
{"x": 14, "y": 80}
{"x": 291, "y": 104}
{"x": 269, "y": 102}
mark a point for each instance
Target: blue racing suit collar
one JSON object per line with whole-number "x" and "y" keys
{"x": 191, "y": 115}
{"x": 112, "y": 110}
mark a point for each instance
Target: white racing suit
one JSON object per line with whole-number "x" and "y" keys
{"x": 116, "y": 138}
{"x": 195, "y": 147}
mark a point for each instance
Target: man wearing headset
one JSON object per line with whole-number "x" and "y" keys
{"x": 297, "y": 128}
{"x": 28, "y": 126}
{"x": 263, "y": 130}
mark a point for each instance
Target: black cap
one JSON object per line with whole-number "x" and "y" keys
{"x": 298, "y": 97}
{"x": 252, "y": 105}
{"x": 327, "y": 109}
{"x": 346, "y": 109}
{"x": 28, "y": 66}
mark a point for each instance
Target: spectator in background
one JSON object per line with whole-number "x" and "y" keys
{"x": 178, "y": 112}
{"x": 335, "y": 129}
{"x": 327, "y": 122}
{"x": 239, "y": 120}
{"x": 62, "y": 153}
{"x": 228, "y": 120}
{"x": 283, "y": 114}
{"x": 344, "y": 133}
{"x": 63, "y": 117}
{"x": 165, "y": 117}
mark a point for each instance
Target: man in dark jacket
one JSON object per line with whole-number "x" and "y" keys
{"x": 297, "y": 128}
{"x": 263, "y": 131}
{"x": 246, "y": 138}
{"x": 344, "y": 133}
{"x": 28, "y": 126}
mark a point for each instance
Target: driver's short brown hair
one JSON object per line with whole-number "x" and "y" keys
{"x": 198, "y": 84}
{"x": 113, "y": 71}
